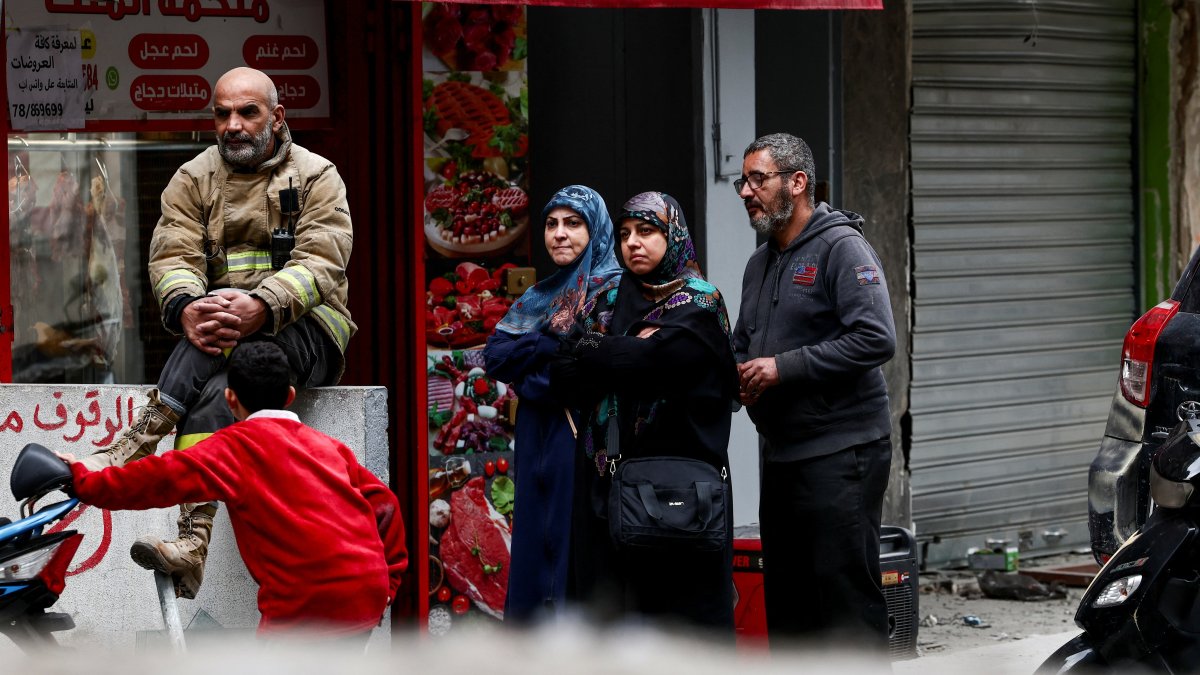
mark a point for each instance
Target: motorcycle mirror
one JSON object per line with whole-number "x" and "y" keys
{"x": 37, "y": 471}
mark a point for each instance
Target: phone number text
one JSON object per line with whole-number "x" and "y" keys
{"x": 26, "y": 110}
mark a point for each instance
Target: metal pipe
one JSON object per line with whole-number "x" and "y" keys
{"x": 170, "y": 611}
{"x": 119, "y": 145}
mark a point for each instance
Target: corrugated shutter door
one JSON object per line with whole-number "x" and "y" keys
{"x": 1023, "y": 263}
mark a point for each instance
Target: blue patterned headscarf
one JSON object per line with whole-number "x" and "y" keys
{"x": 554, "y": 303}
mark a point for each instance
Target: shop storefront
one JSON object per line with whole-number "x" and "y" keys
{"x": 514, "y": 103}
{"x": 451, "y": 125}
{"x": 105, "y": 100}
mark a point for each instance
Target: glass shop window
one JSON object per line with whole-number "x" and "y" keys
{"x": 81, "y": 209}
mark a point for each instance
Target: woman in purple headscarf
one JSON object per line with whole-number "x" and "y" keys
{"x": 658, "y": 349}
{"x": 578, "y": 234}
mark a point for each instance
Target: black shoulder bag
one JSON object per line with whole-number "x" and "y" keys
{"x": 666, "y": 502}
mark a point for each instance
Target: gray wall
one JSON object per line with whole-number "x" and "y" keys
{"x": 854, "y": 115}
{"x": 730, "y": 32}
{"x": 875, "y": 183}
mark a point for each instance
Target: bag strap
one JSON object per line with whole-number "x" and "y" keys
{"x": 704, "y": 512}
{"x": 613, "y": 439}
{"x": 650, "y": 501}
{"x": 704, "y": 508}
{"x": 613, "y": 448}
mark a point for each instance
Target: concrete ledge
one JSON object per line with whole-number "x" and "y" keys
{"x": 111, "y": 599}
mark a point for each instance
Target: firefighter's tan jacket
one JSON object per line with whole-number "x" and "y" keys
{"x": 215, "y": 232}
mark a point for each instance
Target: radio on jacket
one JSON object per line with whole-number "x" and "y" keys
{"x": 284, "y": 239}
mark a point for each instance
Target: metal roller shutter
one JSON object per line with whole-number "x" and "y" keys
{"x": 1023, "y": 263}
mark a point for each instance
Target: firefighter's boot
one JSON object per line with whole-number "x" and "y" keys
{"x": 155, "y": 420}
{"x": 183, "y": 558}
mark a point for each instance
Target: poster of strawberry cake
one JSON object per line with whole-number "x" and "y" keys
{"x": 474, "y": 112}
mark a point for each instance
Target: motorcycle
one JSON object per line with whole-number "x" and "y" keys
{"x": 1142, "y": 610}
{"x": 33, "y": 565}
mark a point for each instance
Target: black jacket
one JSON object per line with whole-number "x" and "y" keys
{"x": 820, "y": 307}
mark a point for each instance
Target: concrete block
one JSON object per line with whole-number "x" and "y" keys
{"x": 112, "y": 599}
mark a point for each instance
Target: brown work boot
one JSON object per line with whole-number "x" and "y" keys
{"x": 155, "y": 420}
{"x": 183, "y": 558}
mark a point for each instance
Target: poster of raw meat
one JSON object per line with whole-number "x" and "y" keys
{"x": 470, "y": 488}
{"x": 474, "y": 107}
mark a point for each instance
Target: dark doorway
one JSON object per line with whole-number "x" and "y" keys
{"x": 798, "y": 86}
{"x": 615, "y": 103}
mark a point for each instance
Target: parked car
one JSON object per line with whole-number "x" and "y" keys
{"x": 1160, "y": 372}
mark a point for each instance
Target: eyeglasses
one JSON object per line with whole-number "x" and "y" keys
{"x": 756, "y": 179}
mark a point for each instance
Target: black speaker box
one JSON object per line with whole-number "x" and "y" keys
{"x": 898, "y": 567}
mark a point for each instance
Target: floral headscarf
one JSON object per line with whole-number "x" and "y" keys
{"x": 663, "y": 212}
{"x": 675, "y": 282}
{"x": 674, "y": 294}
{"x": 554, "y": 303}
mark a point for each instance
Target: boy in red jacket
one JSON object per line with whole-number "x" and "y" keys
{"x": 320, "y": 534}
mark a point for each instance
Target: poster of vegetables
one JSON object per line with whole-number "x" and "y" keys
{"x": 474, "y": 112}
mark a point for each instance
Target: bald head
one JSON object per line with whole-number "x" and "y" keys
{"x": 249, "y": 80}
{"x": 247, "y": 115}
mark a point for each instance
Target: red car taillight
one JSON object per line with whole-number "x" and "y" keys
{"x": 1138, "y": 353}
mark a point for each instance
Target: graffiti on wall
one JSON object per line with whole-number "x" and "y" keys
{"x": 75, "y": 427}
{"x": 68, "y": 423}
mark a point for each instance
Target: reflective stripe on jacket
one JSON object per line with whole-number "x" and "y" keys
{"x": 236, "y": 213}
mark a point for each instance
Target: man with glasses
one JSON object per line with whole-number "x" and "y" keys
{"x": 815, "y": 327}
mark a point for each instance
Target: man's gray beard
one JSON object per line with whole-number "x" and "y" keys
{"x": 774, "y": 220}
{"x": 250, "y": 155}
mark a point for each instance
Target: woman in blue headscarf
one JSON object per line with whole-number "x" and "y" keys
{"x": 578, "y": 234}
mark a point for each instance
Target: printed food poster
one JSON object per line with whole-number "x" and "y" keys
{"x": 471, "y": 488}
{"x": 464, "y": 304}
{"x": 479, "y": 37}
{"x": 474, "y": 108}
{"x": 476, "y": 149}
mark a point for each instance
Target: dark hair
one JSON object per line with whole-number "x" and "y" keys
{"x": 789, "y": 152}
{"x": 259, "y": 375}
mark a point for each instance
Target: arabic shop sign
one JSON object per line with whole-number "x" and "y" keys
{"x": 156, "y": 60}
{"x": 45, "y": 88}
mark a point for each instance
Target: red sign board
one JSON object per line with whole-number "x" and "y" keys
{"x": 153, "y": 62}
{"x": 280, "y": 52}
{"x": 170, "y": 92}
{"x": 727, "y": 4}
{"x": 166, "y": 51}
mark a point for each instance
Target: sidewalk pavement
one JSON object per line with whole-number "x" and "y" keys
{"x": 1011, "y": 657}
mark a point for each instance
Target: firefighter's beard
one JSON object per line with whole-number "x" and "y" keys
{"x": 775, "y": 215}
{"x": 249, "y": 151}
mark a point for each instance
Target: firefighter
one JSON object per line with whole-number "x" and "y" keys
{"x": 252, "y": 244}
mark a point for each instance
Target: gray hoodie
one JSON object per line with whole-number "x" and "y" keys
{"x": 820, "y": 307}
